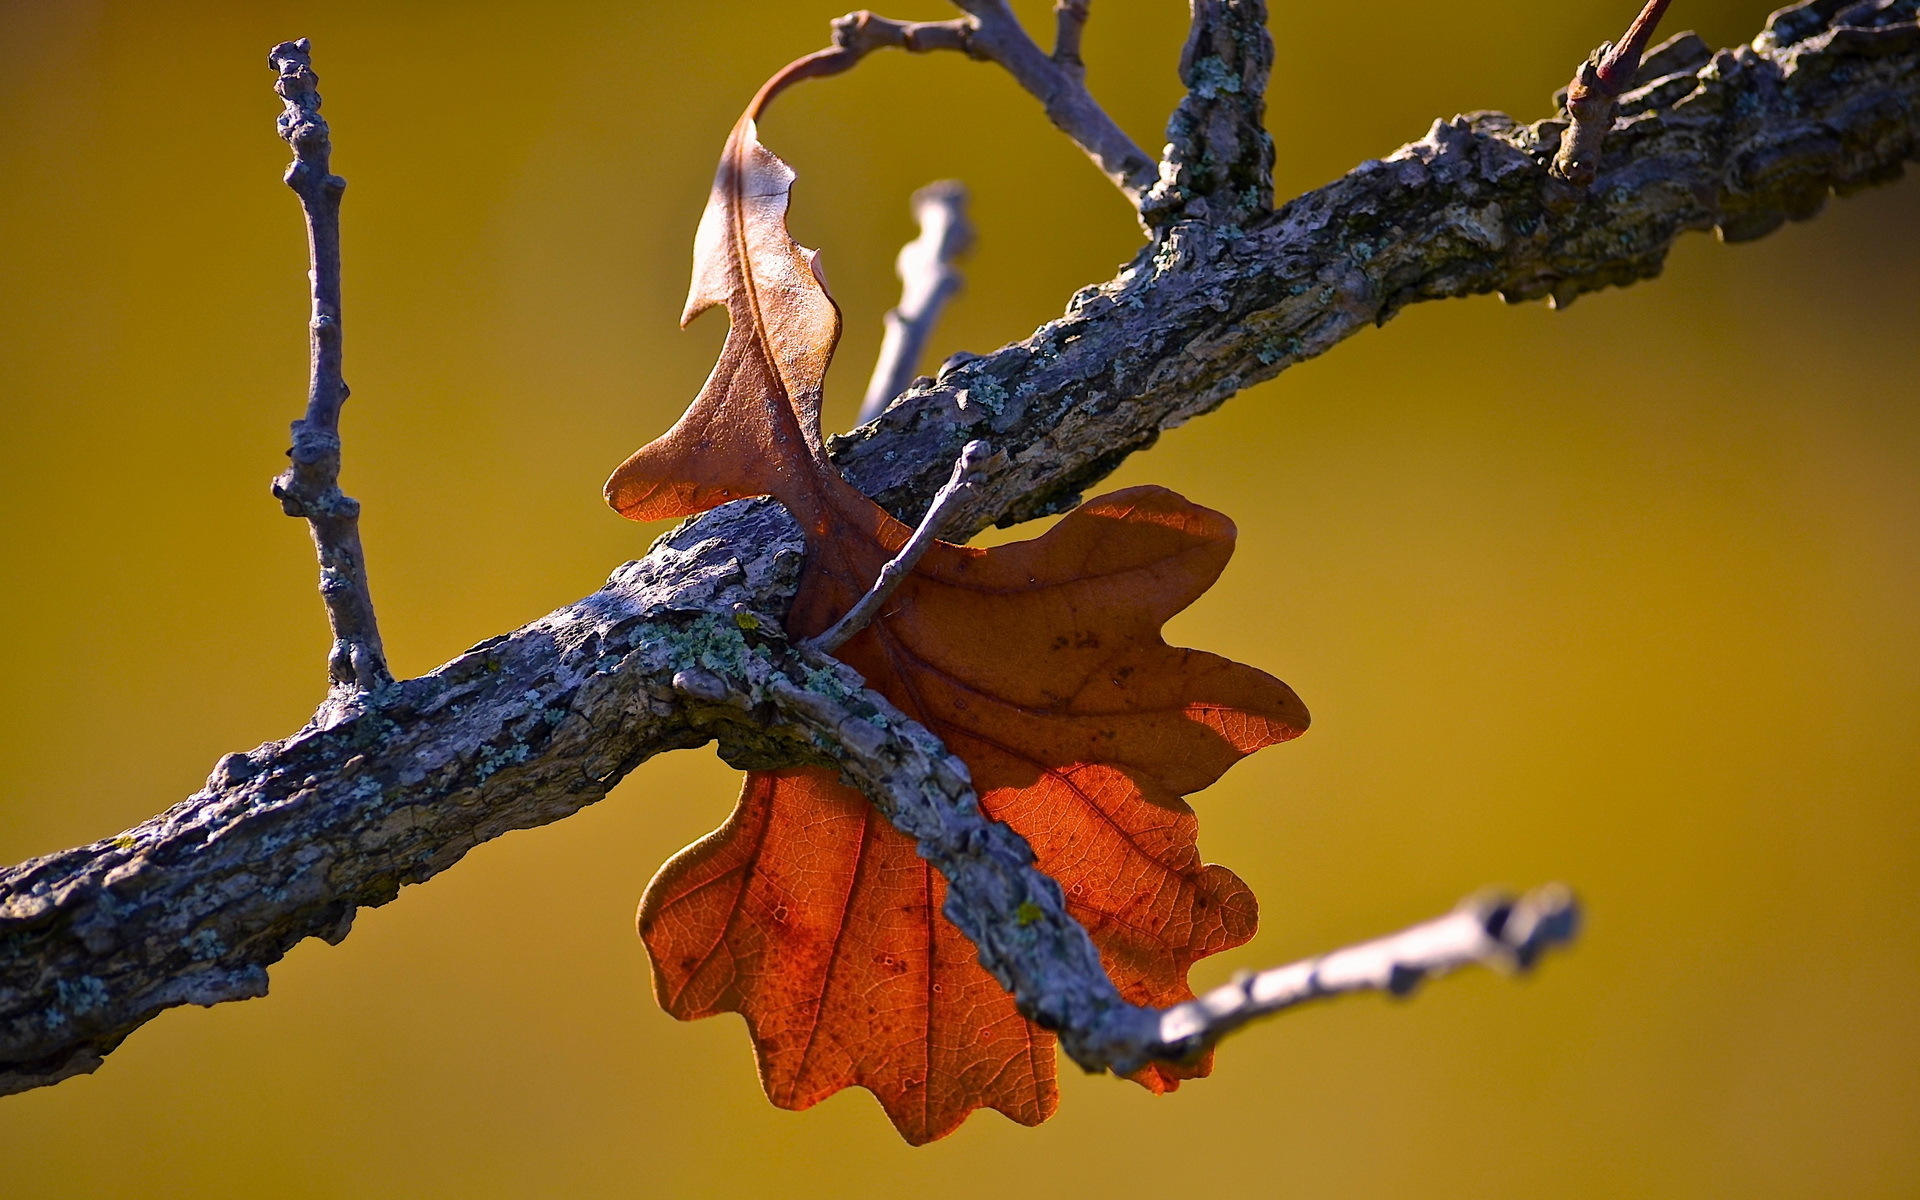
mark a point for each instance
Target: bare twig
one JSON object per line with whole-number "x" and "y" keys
{"x": 998, "y": 35}
{"x": 861, "y": 33}
{"x": 928, "y": 280}
{"x": 966, "y": 472}
{"x": 1595, "y": 89}
{"x": 310, "y": 487}
{"x": 1488, "y": 931}
{"x": 1218, "y": 165}
{"x": 991, "y": 32}
{"x": 857, "y": 35}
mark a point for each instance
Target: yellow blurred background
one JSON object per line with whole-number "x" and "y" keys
{"x": 1652, "y": 632}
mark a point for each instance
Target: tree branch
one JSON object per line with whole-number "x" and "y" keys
{"x": 1017, "y": 916}
{"x": 1741, "y": 143}
{"x": 1219, "y": 159}
{"x": 1591, "y": 96}
{"x": 991, "y": 32}
{"x": 928, "y": 280}
{"x": 310, "y": 486}
{"x": 285, "y": 842}
{"x": 1487, "y": 931}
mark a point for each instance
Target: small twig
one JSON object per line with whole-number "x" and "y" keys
{"x": 927, "y": 281}
{"x": 310, "y": 486}
{"x": 861, "y": 33}
{"x": 990, "y": 32}
{"x": 1596, "y": 87}
{"x": 965, "y": 470}
{"x": 1488, "y": 931}
{"x": 998, "y": 35}
{"x": 1070, "y": 23}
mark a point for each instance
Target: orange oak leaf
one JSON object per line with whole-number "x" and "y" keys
{"x": 1039, "y": 663}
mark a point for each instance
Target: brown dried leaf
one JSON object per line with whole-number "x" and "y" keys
{"x": 1039, "y": 663}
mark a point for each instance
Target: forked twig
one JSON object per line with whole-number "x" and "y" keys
{"x": 310, "y": 486}
{"x": 991, "y": 32}
{"x": 1058, "y": 81}
{"x": 928, "y": 280}
{"x": 1596, "y": 87}
{"x": 892, "y": 575}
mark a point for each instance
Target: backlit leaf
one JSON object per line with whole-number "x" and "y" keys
{"x": 1039, "y": 663}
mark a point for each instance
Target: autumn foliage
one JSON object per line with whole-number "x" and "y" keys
{"x": 1039, "y": 663}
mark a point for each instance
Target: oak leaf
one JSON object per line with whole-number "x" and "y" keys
{"x": 1039, "y": 663}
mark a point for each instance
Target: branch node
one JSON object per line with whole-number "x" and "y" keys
{"x": 1546, "y": 917}
{"x": 1595, "y": 90}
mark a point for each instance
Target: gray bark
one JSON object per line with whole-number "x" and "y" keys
{"x": 928, "y": 279}
{"x": 310, "y": 486}
{"x": 287, "y": 841}
{"x": 1737, "y": 141}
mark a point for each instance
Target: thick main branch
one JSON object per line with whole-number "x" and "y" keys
{"x": 285, "y": 842}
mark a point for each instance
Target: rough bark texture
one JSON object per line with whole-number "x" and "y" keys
{"x": 1589, "y": 100}
{"x": 285, "y": 842}
{"x": 1219, "y": 161}
{"x": 1739, "y": 141}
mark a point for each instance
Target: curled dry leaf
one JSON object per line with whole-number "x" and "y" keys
{"x": 1039, "y": 663}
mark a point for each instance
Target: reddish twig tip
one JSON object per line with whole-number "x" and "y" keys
{"x": 1595, "y": 89}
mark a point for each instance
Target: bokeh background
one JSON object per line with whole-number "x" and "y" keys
{"x": 1650, "y": 630}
